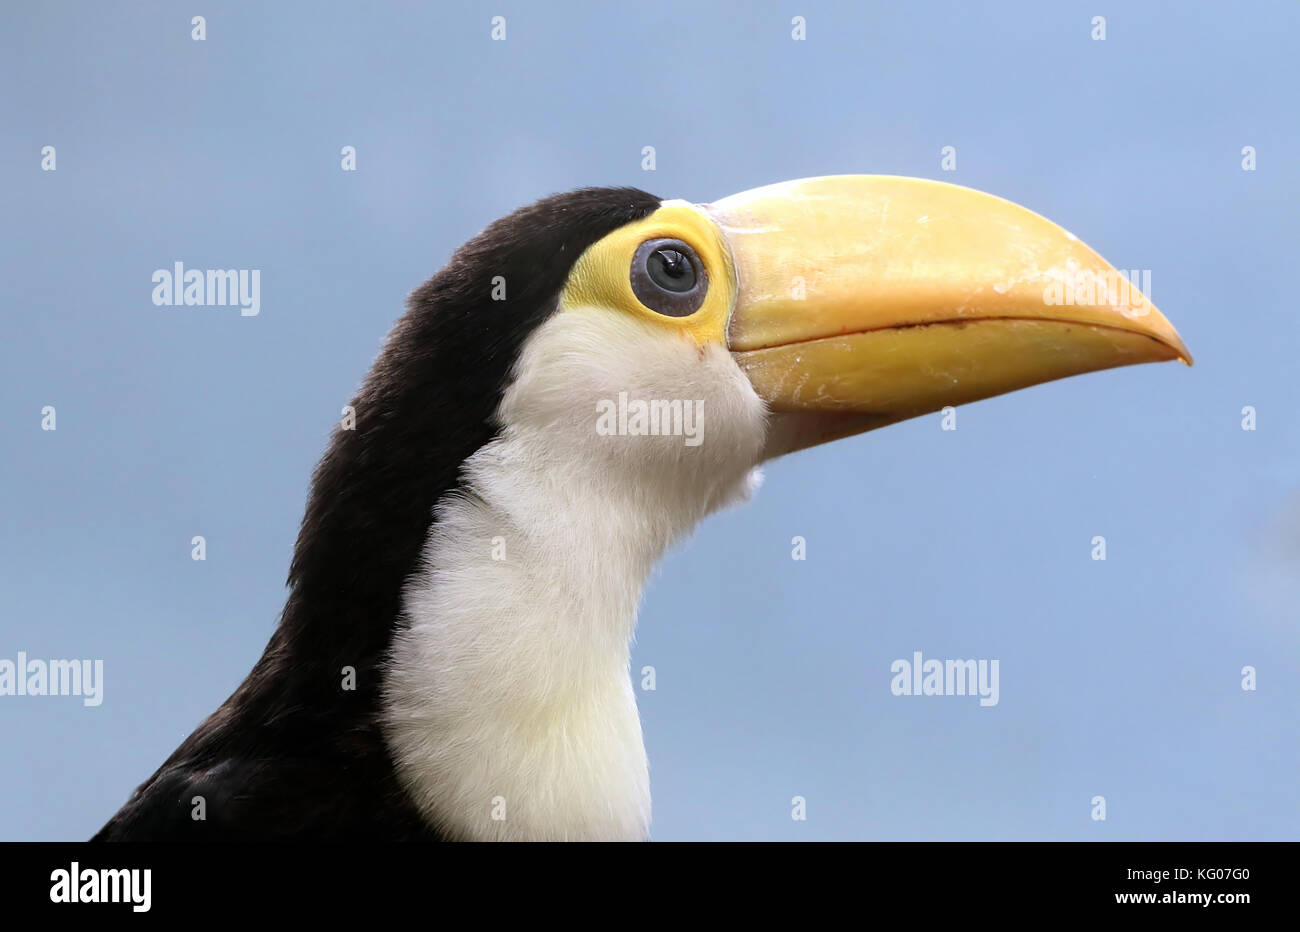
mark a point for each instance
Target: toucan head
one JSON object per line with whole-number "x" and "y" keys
{"x": 802, "y": 312}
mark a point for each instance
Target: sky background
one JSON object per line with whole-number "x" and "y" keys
{"x": 1119, "y": 678}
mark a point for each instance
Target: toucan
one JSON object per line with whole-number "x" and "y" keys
{"x": 452, "y": 661}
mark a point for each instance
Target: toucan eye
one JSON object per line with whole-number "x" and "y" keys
{"x": 668, "y": 277}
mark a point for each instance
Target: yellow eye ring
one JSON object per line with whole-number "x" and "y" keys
{"x": 613, "y": 274}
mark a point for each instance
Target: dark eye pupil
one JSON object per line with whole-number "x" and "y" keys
{"x": 671, "y": 270}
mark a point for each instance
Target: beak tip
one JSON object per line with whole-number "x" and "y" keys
{"x": 1178, "y": 352}
{"x": 1182, "y": 353}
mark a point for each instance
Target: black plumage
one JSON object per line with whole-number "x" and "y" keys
{"x": 291, "y": 754}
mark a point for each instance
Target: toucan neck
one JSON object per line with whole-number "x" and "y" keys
{"x": 508, "y": 693}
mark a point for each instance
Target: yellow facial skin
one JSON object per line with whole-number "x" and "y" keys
{"x": 856, "y": 301}
{"x": 601, "y": 276}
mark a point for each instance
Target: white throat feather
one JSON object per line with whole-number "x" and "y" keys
{"x": 508, "y": 703}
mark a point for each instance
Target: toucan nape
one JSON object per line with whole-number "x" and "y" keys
{"x": 474, "y": 548}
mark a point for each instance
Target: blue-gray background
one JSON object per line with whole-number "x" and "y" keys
{"x": 1118, "y": 678}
